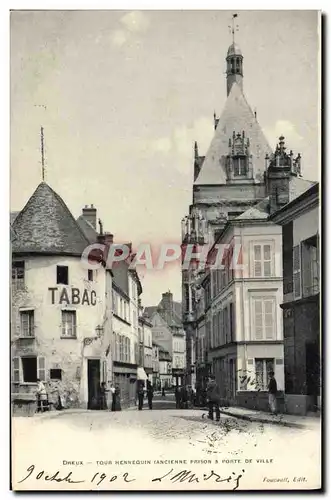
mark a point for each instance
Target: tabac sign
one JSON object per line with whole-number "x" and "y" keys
{"x": 74, "y": 296}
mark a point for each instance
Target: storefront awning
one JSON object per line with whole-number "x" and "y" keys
{"x": 141, "y": 374}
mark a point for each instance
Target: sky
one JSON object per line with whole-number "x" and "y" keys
{"x": 123, "y": 95}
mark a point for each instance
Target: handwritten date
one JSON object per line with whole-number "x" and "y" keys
{"x": 184, "y": 476}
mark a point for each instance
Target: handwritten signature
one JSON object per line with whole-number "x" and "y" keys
{"x": 99, "y": 477}
{"x": 191, "y": 477}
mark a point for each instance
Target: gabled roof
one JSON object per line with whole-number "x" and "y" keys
{"x": 46, "y": 225}
{"x": 150, "y": 310}
{"x": 298, "y": 185}
{"x": 237, "y": 116}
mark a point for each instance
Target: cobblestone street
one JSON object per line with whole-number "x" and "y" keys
{"x": 101, "y": 440}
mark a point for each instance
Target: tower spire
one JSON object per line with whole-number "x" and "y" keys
{"x": 234, "y": 59}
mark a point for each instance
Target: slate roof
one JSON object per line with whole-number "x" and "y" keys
{"x": 176, "y": 319}
{"x": 298, "y": 185}
{"x": 258, "y": 211}
{"x": 13, "y": 216}
{"x": 46, "y": 225}
{"x": 237, "y": 116}
{"x": 150, "y": 310}
{"x": 87, "y": 228}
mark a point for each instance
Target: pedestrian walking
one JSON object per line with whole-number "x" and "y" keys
{"x": 103, "y": 396}
{"x": 177, "y": 396}
{"x": 140, "y": 395}
{"x": 116, "y": 405}
{"x": 163, "y": 392}
{"x": 184, "y": 397}
{"x": 272, "y": 388}
{"x": 150, "y": 393}
{"x": 213, "y": 399}
{"x": 41, "y": 396}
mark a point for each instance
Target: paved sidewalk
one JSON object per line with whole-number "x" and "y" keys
{"x": 267, "y": 418}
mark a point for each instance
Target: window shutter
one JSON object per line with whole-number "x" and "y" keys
{"x": 297, "y": 271}
{"x": 41, "y": 368}
{"x": 267, "y": 260}
{"x": 16, "y": 370}
{"x": 257, "y": 261}
{"x": 269, "y": 319}
{"x": 104, "y": 372}
{"x": 258, "y": 319}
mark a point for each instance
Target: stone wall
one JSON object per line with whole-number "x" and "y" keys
{"x": 258, "y": 400}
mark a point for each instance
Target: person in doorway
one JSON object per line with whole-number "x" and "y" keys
{"x": 150, "y": 394}
{"x": 213, "y": 399}
{"x": 112, "y": 391}
{"x": 103, "y": 396}
{"x": 41, "y": 396}
{"x": 272, "y": 388}
{"x": 140, "y": 395}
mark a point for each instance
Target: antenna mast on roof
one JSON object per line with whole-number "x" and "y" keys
{"x": 234, "y": 27}
{"x": 42, "y": 145}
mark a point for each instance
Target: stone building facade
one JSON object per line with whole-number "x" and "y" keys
{"x": 60, "y": 312}
{"x": 236, "y": 186}
{"x": 300, "y": 221}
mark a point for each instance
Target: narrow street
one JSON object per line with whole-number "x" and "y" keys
{"x": 110, "y": 443}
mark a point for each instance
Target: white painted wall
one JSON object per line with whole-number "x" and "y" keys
{"x": 305, "y": 226}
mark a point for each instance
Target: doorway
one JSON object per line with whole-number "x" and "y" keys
{"x": 93, "y": 380}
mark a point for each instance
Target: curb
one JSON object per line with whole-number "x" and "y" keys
{"x": 262, "y": 420}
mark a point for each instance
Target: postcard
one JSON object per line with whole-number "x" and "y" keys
{"x": 165, "y": 250}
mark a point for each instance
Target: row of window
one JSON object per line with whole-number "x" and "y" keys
{"x": 121, "y": 306}
{"x": 122, "y": 349}
{"x": 306, "y": 268}
{"x": 222, "y": 277}
{"x": 262, "y": 267}
{"x": 148, "y": 361}
{"x": 68, "y": 324}
{"x": 256, "y": 379}
{"x": 62, "y": 275}
{"x": 223, "y": 326}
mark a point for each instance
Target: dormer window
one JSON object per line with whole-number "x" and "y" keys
{"x": 239, "y": 165}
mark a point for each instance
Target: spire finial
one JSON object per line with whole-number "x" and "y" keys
{"x": 234, "y": 27}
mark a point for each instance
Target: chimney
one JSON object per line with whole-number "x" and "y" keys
{"x": 109, "y": 239}
{"x": 90, "y": 214}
